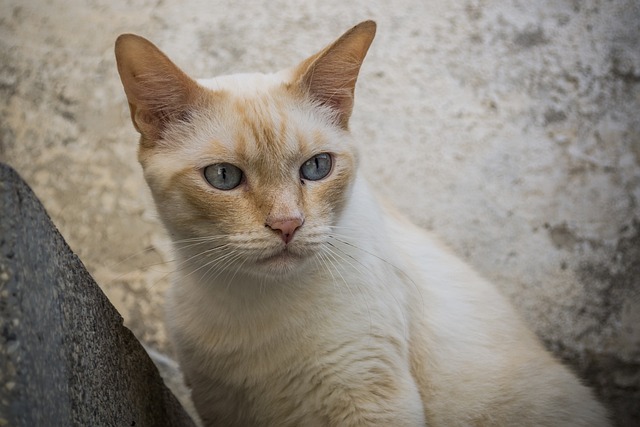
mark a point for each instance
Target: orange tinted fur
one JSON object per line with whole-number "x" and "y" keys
{"x": 302, "y": 300}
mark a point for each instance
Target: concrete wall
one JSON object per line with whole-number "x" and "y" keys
{"x": 510, "y": 128}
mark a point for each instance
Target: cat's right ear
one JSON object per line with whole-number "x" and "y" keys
{"x": 157, "y": 90}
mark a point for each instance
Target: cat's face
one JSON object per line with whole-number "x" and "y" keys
{"x": 249, "y": 172}
{"x": 264, "y": 177}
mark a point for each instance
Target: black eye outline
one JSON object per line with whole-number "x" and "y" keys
{"x": 317, "y": 167}
{"x": 223, "y": 176}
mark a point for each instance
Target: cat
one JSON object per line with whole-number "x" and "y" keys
{"x": 301, "y": 298}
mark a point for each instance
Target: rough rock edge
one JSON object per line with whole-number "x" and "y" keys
{"x": 65, "y": 357}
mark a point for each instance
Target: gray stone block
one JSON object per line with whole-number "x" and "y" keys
{"x": 65, "y": 357}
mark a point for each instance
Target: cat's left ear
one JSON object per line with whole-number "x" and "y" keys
{"x": 329, "y": 76}
{"x": 157, "y": 90}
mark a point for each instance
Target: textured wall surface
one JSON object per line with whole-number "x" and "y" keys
{"x": 65, "y": 357}
{"x": 510, "y": 128}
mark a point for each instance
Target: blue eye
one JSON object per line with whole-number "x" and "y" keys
{"x": 223, "y": 176}
{"x": 316, "y": 167}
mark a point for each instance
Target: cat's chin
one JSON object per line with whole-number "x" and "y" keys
{"x": 281, "y": 264}
{"x": 283, "y": 257}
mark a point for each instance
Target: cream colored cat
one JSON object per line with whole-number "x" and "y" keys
{"x": 301, "y": 299}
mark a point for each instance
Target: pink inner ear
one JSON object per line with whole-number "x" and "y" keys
{"x": 330, "y": 76}
{"x": 157, "y": 90}
{"x": 341, "y": 101}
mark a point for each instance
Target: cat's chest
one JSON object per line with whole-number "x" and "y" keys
{"x": 266, "y": 372}
{"x": 269, "y": 333}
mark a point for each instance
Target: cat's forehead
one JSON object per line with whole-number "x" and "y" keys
{"x": 268, "y": 127}
{"x": 246, "y": 83}
{"x": 258, "y": 113}
{"x": 255, "y": 120}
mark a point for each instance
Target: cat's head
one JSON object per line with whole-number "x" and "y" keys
{"x": 249, "y": 172}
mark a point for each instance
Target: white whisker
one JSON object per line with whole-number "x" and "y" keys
{"x": 333, "y": 255}
{"x": 228, "y": 257}
{"x": 392, "y": 265}
{"x": 339, "y": 251}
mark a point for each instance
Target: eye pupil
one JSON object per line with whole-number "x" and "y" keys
{"x": 317, "y": 167}
{"x": 223, "y": 176}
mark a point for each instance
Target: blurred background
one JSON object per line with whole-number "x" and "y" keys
{"x": 509, "y": 128}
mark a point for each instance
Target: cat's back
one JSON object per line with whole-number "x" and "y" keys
{"x": 489, "y": 368}
{"x": 456, "y": 303}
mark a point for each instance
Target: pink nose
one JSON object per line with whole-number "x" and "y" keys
{"x": 286, "y": 227}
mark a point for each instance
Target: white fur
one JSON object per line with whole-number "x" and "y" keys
{"x": 246, "y": 84}
{"x": 397, "y": 303}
